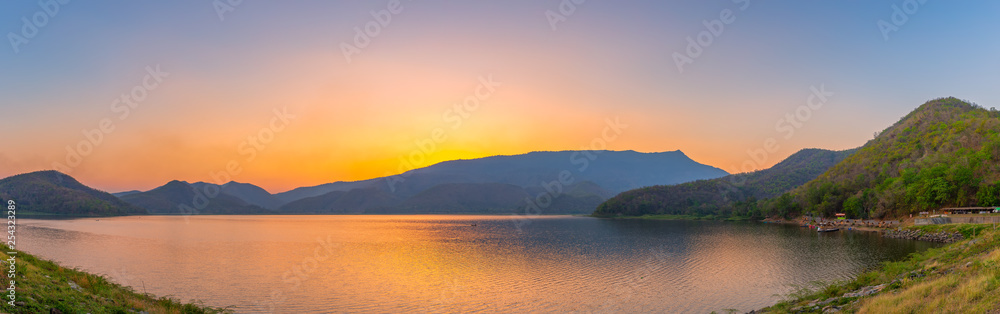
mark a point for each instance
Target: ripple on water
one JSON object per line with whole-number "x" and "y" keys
{"x": 443, "y": 264}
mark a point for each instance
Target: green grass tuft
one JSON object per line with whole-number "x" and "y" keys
{"x": 42, "y": 286}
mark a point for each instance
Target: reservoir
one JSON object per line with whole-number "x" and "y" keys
{"x": 461, "y": 263}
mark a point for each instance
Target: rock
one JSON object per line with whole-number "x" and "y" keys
{"x": 865, "y": 291}
{"x": 54, "y": 311}
{"x": 942, "y": 237}
{"x": 74, "y": 286}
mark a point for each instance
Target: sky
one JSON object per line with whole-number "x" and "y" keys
{"x": 128, "y": 95}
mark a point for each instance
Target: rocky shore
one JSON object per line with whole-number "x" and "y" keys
{"x": 948, "y": 279}
{"x": 940, "y": 237}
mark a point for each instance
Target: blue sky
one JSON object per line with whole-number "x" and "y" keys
{"x": 606, "y": 59}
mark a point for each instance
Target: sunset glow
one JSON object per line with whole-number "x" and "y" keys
{"x": 225, "y": 75}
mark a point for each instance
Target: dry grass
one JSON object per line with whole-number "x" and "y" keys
{"x": 966, "y": 280}
{"x": 963, "y": 277}
{"x": 956, "y": 293}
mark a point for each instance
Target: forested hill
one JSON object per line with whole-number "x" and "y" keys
{"x": 944, "y": 153}
{"x": 54, "y": 193}
{"x": 729, "y": 195}
{"x": 180, "y": 197}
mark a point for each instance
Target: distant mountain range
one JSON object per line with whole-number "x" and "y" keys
{"x": 54, "y": 193}
{"x": 451, "y": 198}
{"x": 615, "y": 171}
{"x": 179, "y": 197}
{"x": 728, "y": 194}
{"x": 498, "y": 184}
{"x": 945, "y": 153}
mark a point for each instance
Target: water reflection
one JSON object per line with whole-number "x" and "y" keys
{"x": 445, "y": 264}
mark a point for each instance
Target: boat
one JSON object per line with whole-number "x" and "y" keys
{"x": 827, "y": 229}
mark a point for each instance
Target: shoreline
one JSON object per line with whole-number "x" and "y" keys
{"x": 953, "y": 278}
{"x": 43, "y": 286}
{"x": 68, "y": 217}
{"x": 892, "y": 229}
{"x": 969, "y": 259}
{"x": 676, "y": 217}
{"x": 849, "y": 227}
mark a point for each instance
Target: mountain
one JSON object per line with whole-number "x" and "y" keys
{"x": 498, "y": 184}
{"x": 732, "y": 194}
{"x": 501, "y": 184}
{"x": 615, "y": 171}
{"x": 355, "y": 201}
{"x": 52, "y": 192}
{"x": 179, "y": 197}
{"x": 320, "y": 204}
{"x": 249, "y": 193}
{"x": 312, "y": 191}
{"x": 945, "y": 153}
{"x": 467, "y": 197}
{"x": 499, "y": 198}
{"x": 451, "y": 198}
{"x": 120, "y": 194}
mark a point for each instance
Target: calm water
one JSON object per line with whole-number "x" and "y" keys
{"x": 444, "y": 264}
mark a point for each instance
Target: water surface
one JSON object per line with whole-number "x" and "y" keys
{"x": 458, "y": 263}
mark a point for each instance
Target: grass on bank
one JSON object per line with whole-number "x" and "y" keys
{"x": 42, "y": 286}
{"x": 962, "y": 277}
{"x": 685, "y": 217}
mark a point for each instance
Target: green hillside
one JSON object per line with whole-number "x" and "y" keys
{"x": 45, "y": 287}
{"x": 54, "y": 193}
{"x": 730, "y": 195}
{"x": 945, "y": 153}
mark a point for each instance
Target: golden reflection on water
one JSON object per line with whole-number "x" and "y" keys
{"x": 426, "y": 263}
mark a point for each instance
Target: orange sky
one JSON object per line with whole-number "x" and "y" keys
{"x": 353, "y": 120}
